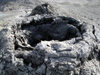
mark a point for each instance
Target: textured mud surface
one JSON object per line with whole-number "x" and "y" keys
{"x": 48, "y": 44}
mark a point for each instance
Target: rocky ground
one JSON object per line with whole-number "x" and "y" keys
{"x": 52, "y": 38}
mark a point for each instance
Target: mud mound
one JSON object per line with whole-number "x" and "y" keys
{"x": 48, "y": 44}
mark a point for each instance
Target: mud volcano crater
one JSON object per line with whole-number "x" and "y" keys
{"x": 45, "y": 26}
{"x": 52, "y": 28}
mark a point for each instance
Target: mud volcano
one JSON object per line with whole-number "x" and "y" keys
{"x": 48, "y": 44}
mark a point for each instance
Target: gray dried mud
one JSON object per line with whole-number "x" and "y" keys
{"x": 45, "y": 43}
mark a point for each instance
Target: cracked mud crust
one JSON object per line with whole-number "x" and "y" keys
{"x": 49, "y": 44}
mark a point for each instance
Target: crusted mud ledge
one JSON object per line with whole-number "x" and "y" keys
{"x": 48, "y": 44}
